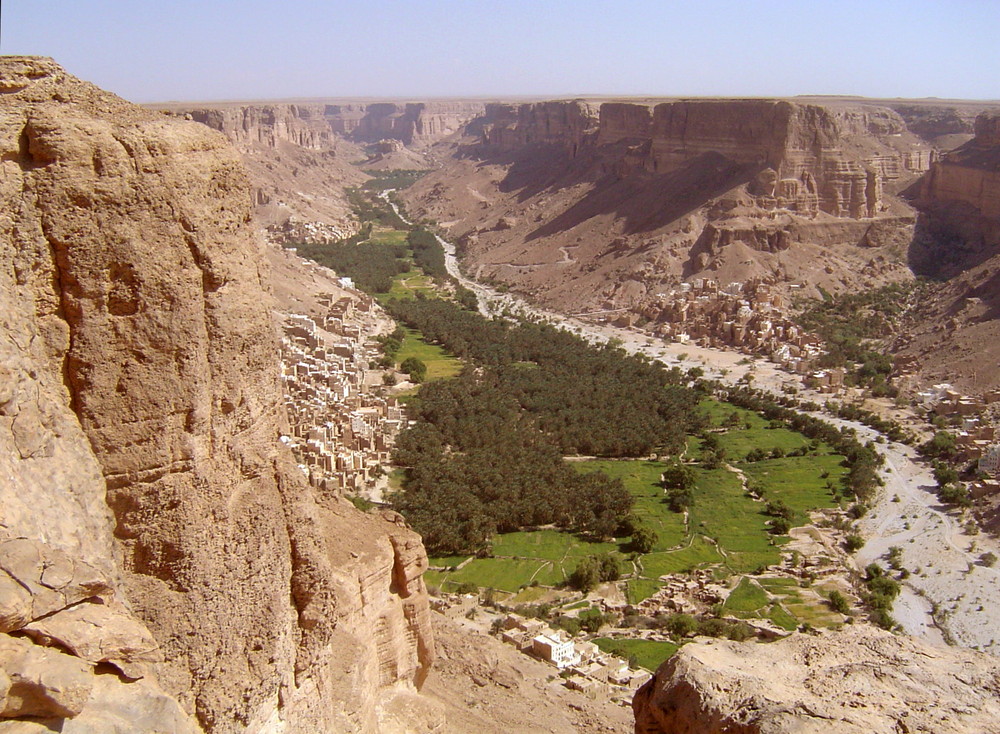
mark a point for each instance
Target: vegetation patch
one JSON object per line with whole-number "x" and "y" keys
{"x": 438, "y": 362}
{"x": 505, "y": 574}
{"x": 642, "y": 480}
{"x": 748, "y": 596}
{"x": 638, "y": 589}
{"x": 648, "y": 654}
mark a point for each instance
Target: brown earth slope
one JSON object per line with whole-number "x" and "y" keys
{"x": 153, "y": 526}
{"x": 589, "y": 206}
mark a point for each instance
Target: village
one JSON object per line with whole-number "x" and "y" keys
{"x": 342, "y": 424}
{"x": 750, "y": 317}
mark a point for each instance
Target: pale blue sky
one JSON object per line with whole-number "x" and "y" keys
{"x": 198, "y": 50}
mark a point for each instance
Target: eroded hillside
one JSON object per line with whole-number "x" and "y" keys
{"x": 587, "y": 207}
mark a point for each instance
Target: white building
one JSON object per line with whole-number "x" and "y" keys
{"x": 556, "y": 648}
{"x": 989, "y": 462}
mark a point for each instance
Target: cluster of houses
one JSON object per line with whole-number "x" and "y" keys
{"x": 975, "y": 438}
{"x": 693, "y": 594}
{"x": 749, "y": 316}
{"x": 293, "y": 230}
{"x": 587, "y": 669}
{"x": 341, "y": 424}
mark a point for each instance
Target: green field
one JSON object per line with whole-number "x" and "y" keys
{"x": 726, "y": 529}
{"x": 700, "y": 553}
{"x": 439, "y": 363}
{"x": 649, "y": 654}
{"x": 798, "y": 482}
{"x": 407, "y": 285}
{"x": 724, "y": 512}
{"x": 748, "y": 596}
{"x": 639, "y": 588}
{"x": 551, "y": 545}
{"x": 504, "y": 574}
{"x": 642, "y": 479}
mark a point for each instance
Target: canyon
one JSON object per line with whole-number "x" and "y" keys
{"x": 166, "y": 565}
{"x": 302, "y": 155}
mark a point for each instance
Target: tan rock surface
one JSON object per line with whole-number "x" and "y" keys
{"x": 144, "y": 489}
{"x": 585, "y": 207}
{"x": 859, "y": 680}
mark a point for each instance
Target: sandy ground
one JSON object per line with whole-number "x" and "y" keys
{"x": 948, "y": 596}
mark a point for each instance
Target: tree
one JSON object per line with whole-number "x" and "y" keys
{"x": 586, "y": 576}
{"x": 678, "y": 479}
{"x": 944, "y": 474}
{"x": 643, "y": 539}
{"x": 415, "y": 368}
{"x": 839, "y": 602}
{"x": 778, "y": 508}
{"x": 779, "y": 525}
{"x": 941, "y": 445}
{"x": 854, "y": 542}
{"x": 954, "y": 494}
{"x": 681, "y": 625}
{"x": 592, "y": 570}
{"x": 592, "y": 619}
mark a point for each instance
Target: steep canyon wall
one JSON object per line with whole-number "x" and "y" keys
{"x": 812, "y": 158}
{"x": 153, "y": 526}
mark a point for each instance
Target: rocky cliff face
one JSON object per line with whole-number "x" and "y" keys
{"x": 830, "y": 159}
{"x": 589, "y": 207}
{"x": 958, "y": 245}
{"x": 514, "y": 126}
{"x": 269, "y": 124}
{"x": 857, "y": 681}
{"x": 416, "y": 124}
{"x": 970, "y": 174}
{"x": 153, "y": 527}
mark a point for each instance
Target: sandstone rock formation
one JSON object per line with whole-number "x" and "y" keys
{"x": 595, "y": 207}
{"x": 299, "y": 168}
{"x": 155, "y": 533}
{"x": 857, "y": 681}
{"x": 955, "y": 336}
{"x": 416, "y": 124}
{"x": 302, "y": 156}
{"x": 834, "y": 158}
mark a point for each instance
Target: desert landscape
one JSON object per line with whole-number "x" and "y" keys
{"x": 435, "y": 408}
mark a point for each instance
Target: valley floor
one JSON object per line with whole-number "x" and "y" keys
{"x": 949, "y": 595}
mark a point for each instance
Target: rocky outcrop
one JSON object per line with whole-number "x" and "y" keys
{"x": 155, "y": 532}
{"x": 971, "y": 173}
{"x": 303, "y": 125}
{"x": 416, "y": 124}
{"x": 565, "y": 124}
{"x": 857, "y": 681}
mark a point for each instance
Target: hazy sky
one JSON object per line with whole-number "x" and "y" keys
{"x": 219, "y": 49}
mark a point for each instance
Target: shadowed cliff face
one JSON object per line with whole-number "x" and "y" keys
{"x": 145, "y": 420}
{"x": 605, "y": 207}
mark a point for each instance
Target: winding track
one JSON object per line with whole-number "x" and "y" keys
{"x": 948, "y": 595}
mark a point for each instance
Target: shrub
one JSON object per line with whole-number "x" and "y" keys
{"x": 854, "y": 542}
{"x": 839, "y": 602}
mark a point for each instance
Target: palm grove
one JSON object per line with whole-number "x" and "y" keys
{"x": 485, "y": 454}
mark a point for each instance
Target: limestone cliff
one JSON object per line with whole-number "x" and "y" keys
{"x": 822, "y": 158}
{"x": 970, "y": 174}
{"x": 416, "y": 124}
{"x": 156, "y": 536}
{"x": 593, "y": 207}
{"x": 298, "y": 166}
{"x": 857, "y": 681}
{"x": 955, "y": 335}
